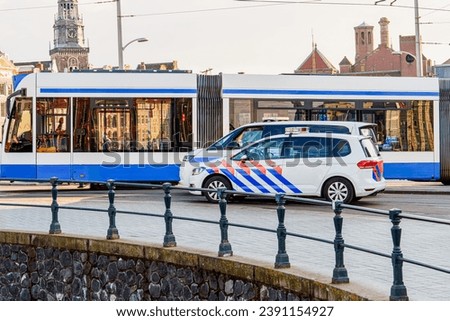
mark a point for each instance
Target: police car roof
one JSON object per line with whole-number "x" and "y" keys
{"x": 318, "y": 135}
{"x": 310, "y": 122}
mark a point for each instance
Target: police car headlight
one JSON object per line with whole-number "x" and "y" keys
{"x": 198, "y": 170}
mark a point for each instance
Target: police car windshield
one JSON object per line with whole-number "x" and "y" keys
{"x": 238, "y": 138}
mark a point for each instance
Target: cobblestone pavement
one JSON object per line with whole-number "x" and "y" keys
{"x": 420, "y": 241}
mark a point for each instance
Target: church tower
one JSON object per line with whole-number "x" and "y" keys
{"x": 70, "y": 50}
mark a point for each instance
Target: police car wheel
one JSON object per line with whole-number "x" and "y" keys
{"x": 339, "y": 189}
{"x": 216, "y": 182}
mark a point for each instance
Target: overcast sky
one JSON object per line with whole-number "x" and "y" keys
{"x": 264, "y": 37}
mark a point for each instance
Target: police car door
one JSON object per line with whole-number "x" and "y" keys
{"x": 305, "y": 164}
{"x": 258, "y": 168}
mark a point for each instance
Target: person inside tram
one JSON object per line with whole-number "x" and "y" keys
{"x": 59, "y": 130}
{"x": 61, "y": 143}
{"x": 21, "y": 143}
{"x": 106, "y": 143}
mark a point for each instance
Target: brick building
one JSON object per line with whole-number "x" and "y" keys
{"x": 382, "y": 60}
{"x": 316, "y": 63}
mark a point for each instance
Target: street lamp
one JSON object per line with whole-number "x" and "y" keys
{"x": 409, "y": 57}
{"x": 123, "y": 49}
{"x": 119, "y": 36}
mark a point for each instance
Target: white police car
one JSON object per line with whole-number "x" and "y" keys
{"x": 249, "y": 133}
{"x": 337, "y": 167}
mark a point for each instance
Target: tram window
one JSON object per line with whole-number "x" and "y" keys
{"x": 155, "y": 132}
{"x": 52, "y": 133}
{"x": 401, "y": 125}
{"x": 132, "y": 124}
{"x": 20, "y": 134}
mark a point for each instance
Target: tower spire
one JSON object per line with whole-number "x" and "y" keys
{"x": 70, "y": 50}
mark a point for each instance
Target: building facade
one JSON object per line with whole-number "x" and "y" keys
{"x": 384, "y": 60}
{"x": 70, "y": 50}
{"x": 371, "y": 60}
{"x": 7, "y": 71}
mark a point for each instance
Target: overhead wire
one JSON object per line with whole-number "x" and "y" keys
{"x": 268, "y": 3}
{"x": 199, "y": 10}
{"x": 343, "y": 3}
{"x": 53, "y": 6}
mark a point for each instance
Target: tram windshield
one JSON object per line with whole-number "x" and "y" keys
{"x": 20, "y": 134}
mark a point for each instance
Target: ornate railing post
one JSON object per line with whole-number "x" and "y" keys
{"x": 339, "y": 272}
{"x": 113, "y": 233}
{"x": 169, "y": 238}
{"x": 281, "y": 259}
{"x": 225, "y": 246}
{"x": 55, "y": 227}
{"x": 398, "y": 289}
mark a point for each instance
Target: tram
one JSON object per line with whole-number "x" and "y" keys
{"x": 137, "y": 126}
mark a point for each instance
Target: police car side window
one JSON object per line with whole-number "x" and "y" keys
{"x": 314, "y": 147}
{"x": 268, "y": 149}
{"x": 341, "y": 148}
{"x": 249, "y": 135}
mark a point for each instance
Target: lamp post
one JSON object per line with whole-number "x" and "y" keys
{"x": 119, "y": 34}
{"x": 419, "y": 68}
{"x": 120, "y": 47}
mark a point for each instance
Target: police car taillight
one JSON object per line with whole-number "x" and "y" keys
{"x": 367, "y": 164}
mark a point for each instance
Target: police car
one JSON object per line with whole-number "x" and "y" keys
{"x": 249, "y": 133}
{"x": 338, "y": 167}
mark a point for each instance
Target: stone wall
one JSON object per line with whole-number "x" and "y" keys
{"x": 56, "y": 267}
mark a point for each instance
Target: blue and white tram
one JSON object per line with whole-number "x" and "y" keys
{"x": 405, "y": 110}
{"x": 137, "y": 126}
{"x": 98, "y": 126}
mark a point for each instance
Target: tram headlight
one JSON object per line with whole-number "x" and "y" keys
{"x": 198, "y": 170}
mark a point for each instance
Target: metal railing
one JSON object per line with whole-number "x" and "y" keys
{"x": 398, "y": 291}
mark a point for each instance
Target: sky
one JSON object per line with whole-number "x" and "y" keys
{"x": 224, "y": 36}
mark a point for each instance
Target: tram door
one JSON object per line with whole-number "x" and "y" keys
{"x": 52, "y": 143}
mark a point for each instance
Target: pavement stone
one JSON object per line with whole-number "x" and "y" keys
{"x": 416, "y": 187}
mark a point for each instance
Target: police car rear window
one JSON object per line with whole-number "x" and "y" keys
{"x": 369, "y": 148}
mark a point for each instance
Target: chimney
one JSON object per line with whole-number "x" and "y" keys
{"x": 384, "y": 31}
